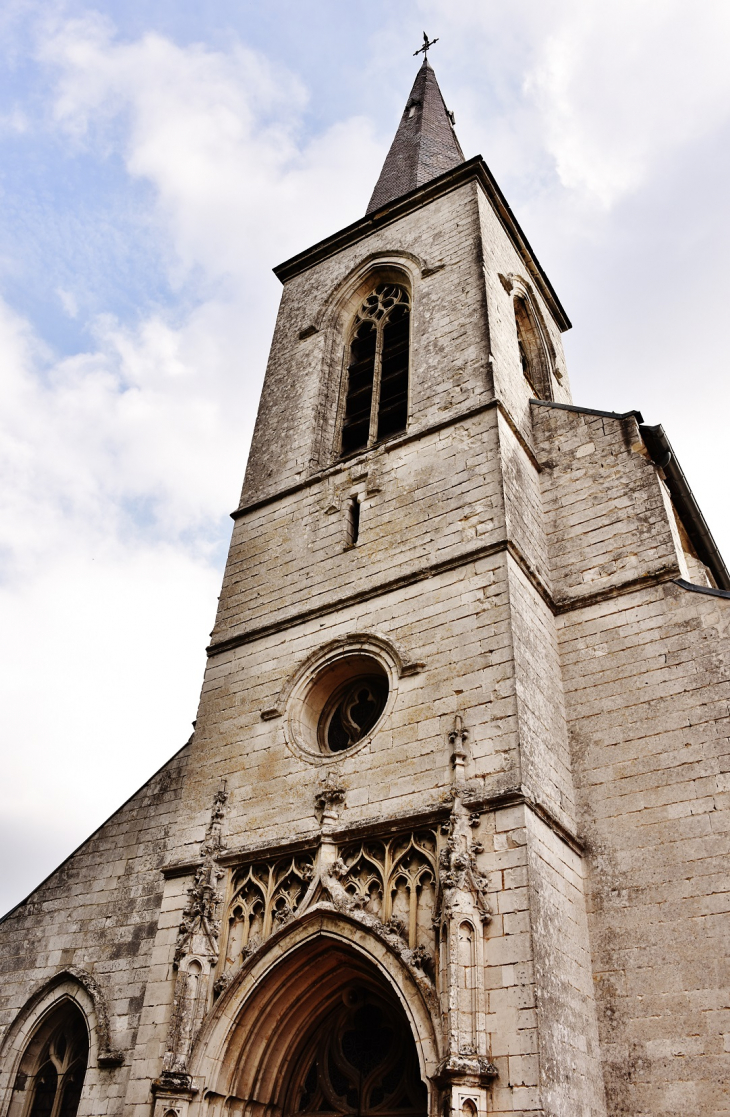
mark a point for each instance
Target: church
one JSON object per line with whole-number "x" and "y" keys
{"x": 450, "y": 836}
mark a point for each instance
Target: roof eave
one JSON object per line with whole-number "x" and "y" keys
{"x": 474, "y": 168}
{"x": 685, "y": 502}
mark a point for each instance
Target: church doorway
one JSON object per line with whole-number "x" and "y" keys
{"x": 360, "y": 1059}
{"x": 323, "y": 1034}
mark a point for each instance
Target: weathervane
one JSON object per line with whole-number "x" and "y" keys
{"x": 424, "y": 49}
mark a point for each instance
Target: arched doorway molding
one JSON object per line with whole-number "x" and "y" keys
{"x": 72, "y": 985}
{"x": 250, "y": 1038}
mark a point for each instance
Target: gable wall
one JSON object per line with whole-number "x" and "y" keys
{"x": 99, "y": 913}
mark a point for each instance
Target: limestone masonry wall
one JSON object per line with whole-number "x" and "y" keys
{"x": 448, "y": 350}
{"x": 98, "y": 913}
{"x": 421, "y": 503}
{"x": 606, "y": 519}
{"x": 456, "y": 623}
{"x": 501, "y": 260}
{"x": 647, "y": 689}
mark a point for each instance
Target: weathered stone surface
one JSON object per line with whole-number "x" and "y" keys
{"x": 530, "y": 844}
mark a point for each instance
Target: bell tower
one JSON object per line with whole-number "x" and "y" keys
{"x": 383, "y": 697}
{"x": 450, "y": 836}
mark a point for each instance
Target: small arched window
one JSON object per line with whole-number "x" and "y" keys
{"x": 376, "y": 403}
{"x": 533, "y": 355}
{"x": 53, "y": 1068}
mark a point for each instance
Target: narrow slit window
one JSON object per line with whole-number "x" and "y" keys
{"x": 376, "y": 404}
{"x": 353, "y": 521}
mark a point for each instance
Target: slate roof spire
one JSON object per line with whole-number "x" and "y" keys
{"x": 425, "y": 145}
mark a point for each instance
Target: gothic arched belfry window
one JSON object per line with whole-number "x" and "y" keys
{"x": 53, "y": 1067}
{"x": 533, "y": 355}
{"x": 376, "y": 403}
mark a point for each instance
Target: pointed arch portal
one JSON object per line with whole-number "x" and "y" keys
{"x": 322, "y": 1032}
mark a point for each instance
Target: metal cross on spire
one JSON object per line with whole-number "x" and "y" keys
{"x": 424, "y": 49}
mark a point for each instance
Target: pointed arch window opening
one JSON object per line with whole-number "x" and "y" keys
{"x": 376, "y": 401}
{"x": 54, "y": 1067}
{"x": 532, "y": 350}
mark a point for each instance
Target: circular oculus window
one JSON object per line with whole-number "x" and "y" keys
{"x": 341, "y": 706}
{"x": 351, "y": 712}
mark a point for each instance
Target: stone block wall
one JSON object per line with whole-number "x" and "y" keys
{"x": 544, "y": 755}
{"x": 647, "y": 689}
{"x": 463, "y": 335}
{"x": 294, "y": 434}
{"x": 540, "y": 1010}
{"x": 98, "y": 913}
{"x": 422, "y": 504}
{"x": 606, "y": 517}
{"x": 569, "y": 1057}
{"x": 501, "y": 260}
{"x": 456, "y": 623}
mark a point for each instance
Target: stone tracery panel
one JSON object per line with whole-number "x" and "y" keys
{"x": 395, "y": 879}
{"x": 265, "y": 895}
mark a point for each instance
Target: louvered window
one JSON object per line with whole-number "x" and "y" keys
{"x": 376, "y": 404}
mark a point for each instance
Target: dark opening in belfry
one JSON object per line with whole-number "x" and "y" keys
{"x": 376, "y": 403}
{"x": 533, "y": 356}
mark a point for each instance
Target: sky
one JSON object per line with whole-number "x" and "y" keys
{"x": 157, "y": 159}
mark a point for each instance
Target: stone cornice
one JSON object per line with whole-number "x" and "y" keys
{"x": 343, "y": 464}
{"x": 367, "y": 593}
{"x": 472, "y": 170}
{"x": 384, "y": 827}
{"x": 431, "y": 570}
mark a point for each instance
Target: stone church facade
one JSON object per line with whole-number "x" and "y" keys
{"x": 450, "y": 836}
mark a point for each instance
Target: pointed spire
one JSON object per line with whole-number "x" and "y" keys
{"x": 425, "y": 145}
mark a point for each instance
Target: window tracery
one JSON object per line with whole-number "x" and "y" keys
{"x": 266, "y": 895}
{"x": 395, "y": 879}
{"x": 53, "y": 1068}
{"x": 352, "y": 711}
{"x": 376, "y": 402}
{"x": 361, "y": 1060}
{"x": 340, "y": 703}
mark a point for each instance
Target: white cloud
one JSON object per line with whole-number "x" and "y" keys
{"x": 68, "y": 302}
{"x": 218, "y": 136}
{"x": 126, "y": 458}
{"x": 619, "y": 87}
